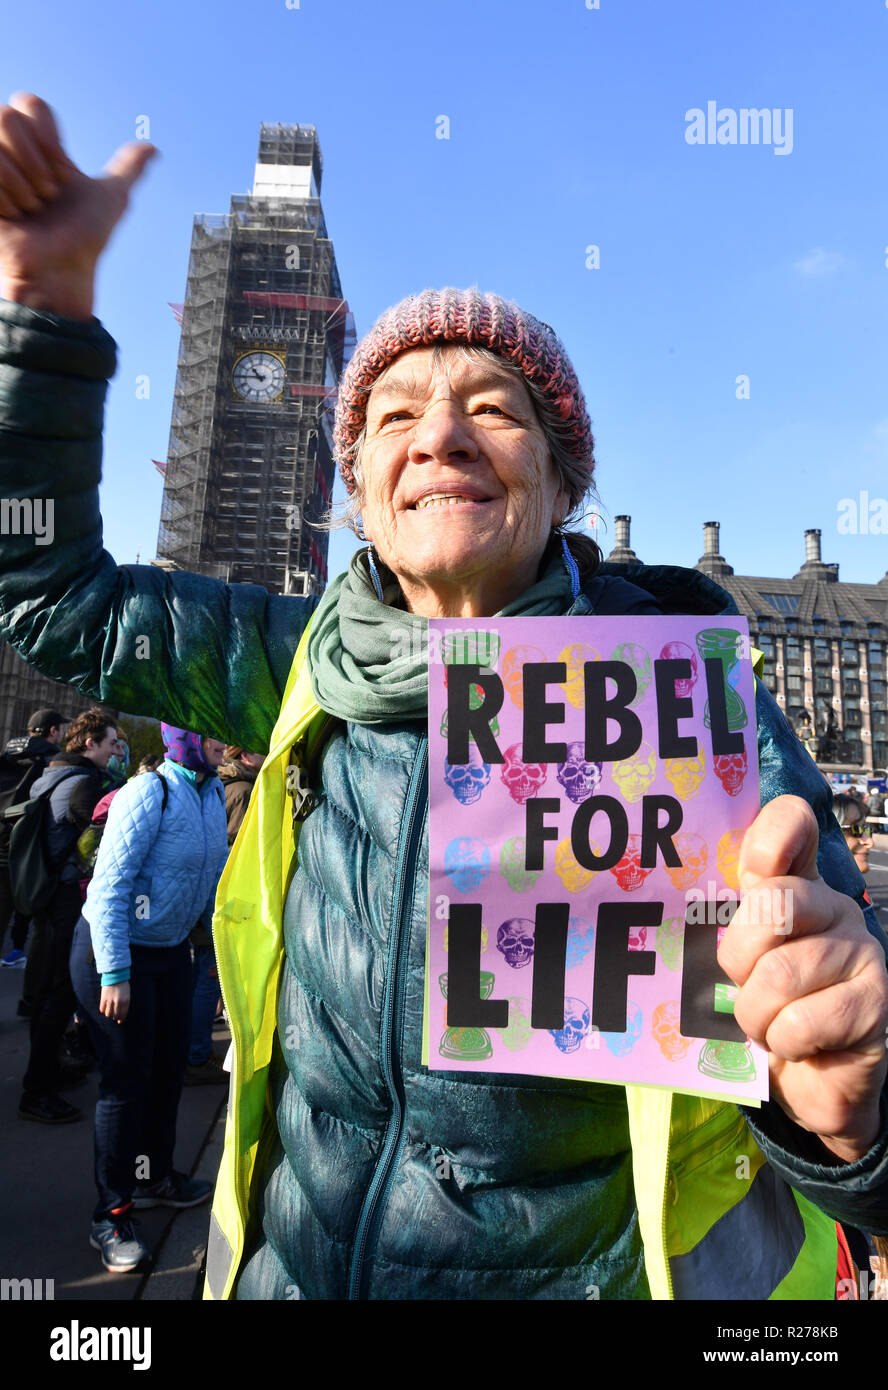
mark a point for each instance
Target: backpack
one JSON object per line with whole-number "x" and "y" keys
{"x": 15, "y": 788}
{"x": 89, "y": 842}
{"x": 33, "y": 875}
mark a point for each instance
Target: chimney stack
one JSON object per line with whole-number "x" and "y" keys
{"x": 711, "y": 562}
{"x": 814, "y": 568}
{"x": 622, "y": 553}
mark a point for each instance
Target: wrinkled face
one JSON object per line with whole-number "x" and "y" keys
{"x": 727, "y": 856}
{"x": 730, "y": 769}
{"x": 467, "y": 780}
{"x": 521, "y": 780}
{"x": 459, "y": 486}
{"x": 575, "y": 658}
{"x": 515, "y": 940}
{"x": 694, "y": 858}
{"x": 635, "y": 774}
{"x": 677, "y": 651}
{"x": 686, "y": 774}
{"x": 579, "y": 779}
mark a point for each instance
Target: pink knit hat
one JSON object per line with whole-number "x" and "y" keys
{"x": 464, "y": 316}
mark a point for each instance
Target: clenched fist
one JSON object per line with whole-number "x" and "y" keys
{"x": 815, "y": 993}
{"x": 54, "y": 220}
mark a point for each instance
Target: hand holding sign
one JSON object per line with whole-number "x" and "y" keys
{"x": 815, "y": 996}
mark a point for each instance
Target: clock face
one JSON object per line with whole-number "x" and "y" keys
{"x": 258, "y": 377}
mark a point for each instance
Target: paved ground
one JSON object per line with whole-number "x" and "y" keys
{"x": 47, "y": 1191}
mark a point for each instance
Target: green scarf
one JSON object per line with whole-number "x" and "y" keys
{"x": 369, "y": 660}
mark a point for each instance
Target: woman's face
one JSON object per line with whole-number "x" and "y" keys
{"x": 460, "y": 493}
{"x": 213, "y": 751}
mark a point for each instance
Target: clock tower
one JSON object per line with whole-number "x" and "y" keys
{"x": 265, "y": 336}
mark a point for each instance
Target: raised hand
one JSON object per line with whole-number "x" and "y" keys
{"x": 55, "y": 221}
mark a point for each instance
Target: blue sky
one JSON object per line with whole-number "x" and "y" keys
{"x": 567, "y": 130}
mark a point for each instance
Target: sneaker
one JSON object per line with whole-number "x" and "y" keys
{"x": 175, "y": 1190}
{"x": 49, "y": 1110}
{"x": 209, "y": 1073}
{"x": 118, "y": 1244}
{"x": 14, "y": 960}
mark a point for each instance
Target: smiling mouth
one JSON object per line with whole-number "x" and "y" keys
{"x": 447, "y": 499}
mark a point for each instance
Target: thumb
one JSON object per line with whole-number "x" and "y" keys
{"x": 782, "y": 842}
{"x": 128, "y": 163}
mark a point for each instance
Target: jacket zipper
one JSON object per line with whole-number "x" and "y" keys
{"x": 666, "y": 1196}
{"x": 377, "y": 1193}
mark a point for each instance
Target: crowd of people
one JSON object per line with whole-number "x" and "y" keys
{"x": 119, "y": 972}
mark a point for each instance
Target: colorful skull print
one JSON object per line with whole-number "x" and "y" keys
{"x": 635, "y": 656}
{"x": 638, "y": 938}
{"x": 574, "y": 877}
{"x": 580, "y": 939}
{"x": 726, "y": 1061}
{"x": 484, "y": 938}
{"x": 476, "y": 700}
{"x": 575, "y": 658}
{"x": 519, "y": 1032}
{"x": 466, "y": 862}
{"x": 670, "y": 942}
{"x": 730, "y": 769}
{"x": 467, "y": 1044}
{"x": 634, "y": 775}
{"x": 727, "y": 856}
{"x": 521, "y": 780}
{"x": 577, "y": 1018}
{"x": 512, "y": 866}
{"x": 665, "y": 1030}
{"x": 621, "y": 1044}
{"x": 579, "y": 778}
{"x": 515, "y": 940}
{"x": 677, "y": 651}
{"x": 514, "y": 662}
{"x": 471, "y": 648}
{"x": 468, "y": 780}
{"x": 685, "y": 774}
{"x": 629, "y": 873}
{"x": 694, "y": 857}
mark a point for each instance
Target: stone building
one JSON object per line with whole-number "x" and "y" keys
{"x": 825, "y": 644}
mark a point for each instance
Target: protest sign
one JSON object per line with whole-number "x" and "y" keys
{"x": 590, "y": 783}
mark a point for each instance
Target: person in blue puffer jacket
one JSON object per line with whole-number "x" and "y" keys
{"x": 164, "y": 847}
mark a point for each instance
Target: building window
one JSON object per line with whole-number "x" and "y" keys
{"x": 784, "y": 603}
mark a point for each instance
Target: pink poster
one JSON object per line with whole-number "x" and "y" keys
{"x": 590, "y": 783}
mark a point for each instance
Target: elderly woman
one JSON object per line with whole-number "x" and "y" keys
{"x": 350, "y": 1170}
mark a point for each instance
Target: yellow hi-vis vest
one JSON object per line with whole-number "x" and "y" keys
{"x": 715, "y": 1221}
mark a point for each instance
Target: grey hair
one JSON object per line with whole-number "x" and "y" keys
{"x": 574, "y": 477}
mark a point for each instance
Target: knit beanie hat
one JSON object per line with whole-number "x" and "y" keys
{"x": 476, "y": 319}
{"x": 185, "y": 748}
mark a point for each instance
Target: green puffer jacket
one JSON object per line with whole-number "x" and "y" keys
{"x": 352, "y": 1205}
